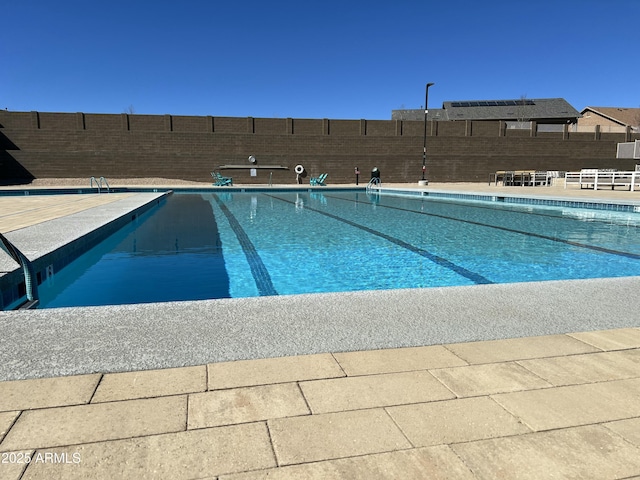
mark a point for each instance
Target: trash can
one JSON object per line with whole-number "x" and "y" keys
{"x": 375, "y": 176}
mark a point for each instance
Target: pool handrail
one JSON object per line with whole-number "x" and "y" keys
{"x": 99, "y": 184}
{"x": 30, "y": 280}
{"x": 102, "y": 179}
{"x": 372, "y": 182}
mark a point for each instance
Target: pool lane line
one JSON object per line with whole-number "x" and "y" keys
{"x": 258, "y": 269}
{"x": 443, "y": 262}
{"x": 597, "y": 248}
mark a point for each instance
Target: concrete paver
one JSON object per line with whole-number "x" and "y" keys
{"x": 629, "y": 429}
{"x": 611, "y": 339}
{"x": 12, "y": 467}
{"x": 371, "y": 391}
{"x": 47, "y": 392}
{"x": 151, "y": 383}
{"x": 454, "y": 421}
{"x": 176, "y": 456}
{"x": 54, "y": 427}
{"x": 396, "y": 360}
{"x": 574, "y": 405}
{"x": 435, "y": 463}
{"x": 588, "y": 368}
{"x": 272, "y": 370}
{"x": 489, "y": 378}
{"x": 590, "y": 452}
{"x": 244, "y": 405}
{"x": 6, "y": 420}
{"x": 520, "y": 348}
{"x": 334, "y": 435}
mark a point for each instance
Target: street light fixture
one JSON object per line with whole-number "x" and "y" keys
{"x": 424, "y": 181}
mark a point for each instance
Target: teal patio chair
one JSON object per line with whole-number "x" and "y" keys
{"x": 221, "y": 181}
{"x": 319, "y": 180}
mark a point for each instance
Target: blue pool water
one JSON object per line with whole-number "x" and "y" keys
{"x": 228, "y": 244}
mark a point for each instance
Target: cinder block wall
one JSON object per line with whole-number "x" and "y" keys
{"x": 47, "y": 145}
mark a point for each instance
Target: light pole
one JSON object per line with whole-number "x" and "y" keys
{"x": 424, "y": 181}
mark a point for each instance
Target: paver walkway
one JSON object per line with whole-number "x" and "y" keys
{"x": 20, "y": 212}
{"x": 559, "y": 406}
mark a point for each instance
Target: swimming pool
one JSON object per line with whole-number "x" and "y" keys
{"x": 234, "y": 244}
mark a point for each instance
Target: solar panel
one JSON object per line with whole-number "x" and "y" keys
{"x": 493, "y": 103}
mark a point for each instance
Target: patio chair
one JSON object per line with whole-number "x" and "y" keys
{"x": 508, "y": 178}
{"x": 319, "y": 180}
{"x": 541, "y": 177}
{"x": 221, "y": 181}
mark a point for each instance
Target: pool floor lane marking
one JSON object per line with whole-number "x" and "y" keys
{"x": 597, "y": 248}
{"x": 443, "y": 262}
{"x": 258, "y": 269}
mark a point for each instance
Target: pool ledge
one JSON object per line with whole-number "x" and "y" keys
{"x": 568, "y": 201}
{"x": 81, "y": 340}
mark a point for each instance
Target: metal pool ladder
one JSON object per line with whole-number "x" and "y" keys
{"x": 30, "y": 279}
{"x": 99, "y": 184}
{"x": 372, "y": 182}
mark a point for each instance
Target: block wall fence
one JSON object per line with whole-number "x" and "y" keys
{"x": 77, "y": 145}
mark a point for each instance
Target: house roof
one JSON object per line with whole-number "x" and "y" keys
{"x": 522, "y": 109}
{"x": 544, "y": 109}
{"x": 621, "y": 115}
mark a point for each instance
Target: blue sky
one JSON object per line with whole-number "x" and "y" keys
{"x": 313, "y": 59}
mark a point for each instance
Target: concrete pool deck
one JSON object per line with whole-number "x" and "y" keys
{"x": 531, "y": 380}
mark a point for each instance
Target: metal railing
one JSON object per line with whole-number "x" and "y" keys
{"x": 30, "y": 280}
{"x": 100, "y": 183}
{"x": 374, "y": 181}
